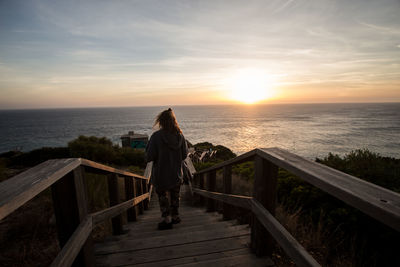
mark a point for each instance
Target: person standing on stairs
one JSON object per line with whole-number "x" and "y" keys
{"x": 167, "y": 148}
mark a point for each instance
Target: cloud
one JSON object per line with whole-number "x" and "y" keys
{"x": 170, "y": 47}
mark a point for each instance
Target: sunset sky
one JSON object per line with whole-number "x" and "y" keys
{"x": 139, "y": 53}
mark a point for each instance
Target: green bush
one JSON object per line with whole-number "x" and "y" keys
{"x": 104, "y": 151}
{"x": 37, "y": 156}
{"x": 245, "y": 171}
{"x": 93, "y": 148}
{"x": 373, "y": 242}
{"x": 369, "y": 166}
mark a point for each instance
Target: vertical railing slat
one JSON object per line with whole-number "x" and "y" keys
{"x": 211, "y": 186}
{"x": 113, "y": 191}
{"x": 145, "y": 189}
{"x": 201, "y": 186}
{"x": 139, "y": 189}
{"x": 228, "y": 210}
{"x": 264, "y": 191}
{"x": 129, "y": 194}
{"x": 70, "y": 208}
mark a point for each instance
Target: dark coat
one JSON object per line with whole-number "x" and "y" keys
{"x": 167, "y": 151}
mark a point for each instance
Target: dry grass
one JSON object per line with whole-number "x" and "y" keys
{"x": 29, "y": 235}
{"x": 313, "y": 237}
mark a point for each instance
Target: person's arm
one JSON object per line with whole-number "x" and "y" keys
{"x": 151, "y": 150}
{"x": 184, "y": 149}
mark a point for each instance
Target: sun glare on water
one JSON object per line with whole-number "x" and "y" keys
{"x": 250, "y": 86}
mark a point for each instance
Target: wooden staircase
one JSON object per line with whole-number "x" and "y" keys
{"x": 201, "y": 239}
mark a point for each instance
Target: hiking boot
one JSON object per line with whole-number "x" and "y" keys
{"x": 164, "y": 225}
{"x": 176, "y": 220}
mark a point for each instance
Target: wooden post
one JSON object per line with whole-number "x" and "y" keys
{"x": 113, "y": 192}
{"x": 70, "y": 208}
{"x": 139, "y": 189}
{"x": 145, "y": 190}
{"x": 211, "y": 186}
{"x": 264, "y": 191}
{"x": 201, "y": 186}
{"x": 228, "y": 210}
{"x": 129, "y": 194}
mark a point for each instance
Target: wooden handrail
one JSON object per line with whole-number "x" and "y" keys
{"x": 108, "y": 169}
{"x": 21, "y": 188}
{"x": 105, "y": 214}
{"x": 374, "y": 200}
{"x": 67, "y": 174}
{"x": 239, "y": 159}
{"x": 378, "y": 202}
{"x": 16, "y": 191}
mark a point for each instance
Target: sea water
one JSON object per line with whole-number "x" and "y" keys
{"x": 310, "y": 130}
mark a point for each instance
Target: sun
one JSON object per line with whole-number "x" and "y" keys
{"x": 250, "y": 86}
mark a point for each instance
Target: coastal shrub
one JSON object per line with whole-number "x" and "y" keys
{"x": 101, "y": 149}
{"x": 223, "y": 153}
{"x": 372, "y": 242}
{"x": 369, "y": 166}
{"x": 37, "y": 156}
{"x": 127, "y": 156}
{"x": 245, "y": 170}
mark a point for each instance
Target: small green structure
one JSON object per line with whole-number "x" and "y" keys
{"x": 134, "y": 140}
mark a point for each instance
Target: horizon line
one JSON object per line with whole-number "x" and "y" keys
{"x": 203, "y": 105}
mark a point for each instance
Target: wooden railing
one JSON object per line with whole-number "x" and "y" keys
{"x": 377, "y": 202}
{"x": 69, "y": 193}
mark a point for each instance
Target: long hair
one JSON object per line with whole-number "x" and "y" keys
{"x": 167, "y": 121}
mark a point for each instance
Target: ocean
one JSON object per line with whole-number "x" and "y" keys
{"x": 309, "y": 130}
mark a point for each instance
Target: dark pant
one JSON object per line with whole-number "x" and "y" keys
{"x": 169, "y": 206}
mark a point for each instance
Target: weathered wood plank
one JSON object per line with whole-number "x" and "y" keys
{"x": 108, "y": 169}
{"x": 289, "y": 244}
{"x": 117, "y": 209}
{"x": 172, "y": 252}
{"x": 16, "y": 191}
{"x": 155, "y": 211}
{"x": 71, "y": 249}
{"x": 235, "y": 200}
{"x": 378, "y": 202}
{"x": 237, "y": 260}
{"x": 152, "y": 226}
{"x": 179, "y": 239}
{"x": 182, "y": 229}
{"x": 196, "y": 258}
{"x": 183, "y": 214}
